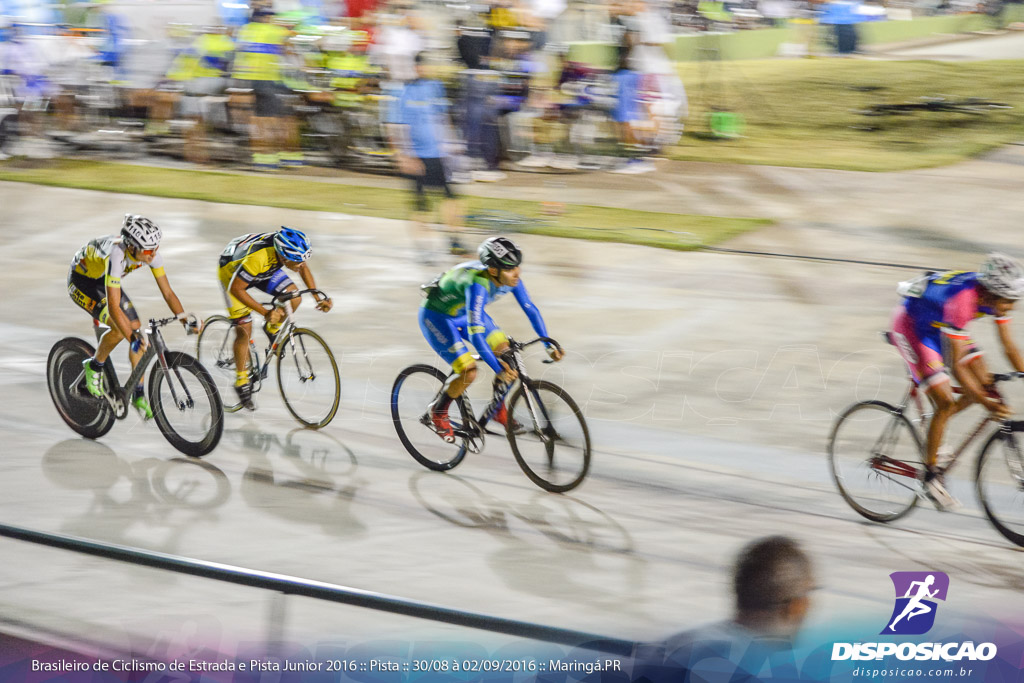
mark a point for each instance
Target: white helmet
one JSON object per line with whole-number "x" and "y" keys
{"x": 140, "y": 232}
{"x": 1003, "y": 276}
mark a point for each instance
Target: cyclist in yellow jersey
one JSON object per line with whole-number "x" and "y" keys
{"x": 257, "y": 260}
{"x": 94, "y": 284}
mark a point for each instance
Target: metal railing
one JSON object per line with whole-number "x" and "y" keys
{"x": 291, "y": 585}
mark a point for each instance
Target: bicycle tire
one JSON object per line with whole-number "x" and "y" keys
{"x": 517, "y": 437}
{"x": 1012, "y": 488}
{"x": 214, "y": 429}
{"x": 89, "y": 416}
{"x": 216, "y": 354}
{"x": 298, "y": 336}
{"x": 898, "y": 474}
{"x": 426, "y": 447}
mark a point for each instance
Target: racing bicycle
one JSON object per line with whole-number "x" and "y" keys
{"x": 182, "y": 394}
{"x": 545, "y": 428}
{"x": 876, "y": 453}
{"x": 307, "y": 373}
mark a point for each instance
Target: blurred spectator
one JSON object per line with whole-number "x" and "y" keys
{"x": 631, "y": 116}
{"x": 260, "y": 49}
{"x": 207, "y": 64}
{"x": 21, "y": 57}
{"x": 416, "y": 125}
{"x": 772, "y": 582}
{"x": 396, "y": 44}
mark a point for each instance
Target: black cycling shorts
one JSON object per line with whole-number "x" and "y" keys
{"x": 90, "y": 294}
{"x": 434, "y": 176}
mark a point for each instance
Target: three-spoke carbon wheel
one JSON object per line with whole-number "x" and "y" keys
{"x": 186, "y": 405}
{"x": 548, "y": 436}
{"x": 876, "y": 459}
{"x": 414, "y": 390}
{"x": 89, "y": 416}
{"x": 308, "y": 377}
{"x": 1000, "y": 481}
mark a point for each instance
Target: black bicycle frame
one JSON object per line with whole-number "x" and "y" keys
{"x": 157, "y": 348}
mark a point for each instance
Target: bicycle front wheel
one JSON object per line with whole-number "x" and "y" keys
{"x": 1000, "y": 482}
{"x": 414, "y": 390}
{"x": 186, "y": 405}
{"x": 548, "y": 436}
{"x": 215, "y": 351}
{"x": 89, "y": 416}
{"x": 876, "y": 459}
{"x": 308, "y": 377}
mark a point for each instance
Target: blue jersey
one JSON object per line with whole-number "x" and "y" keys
{"x": 463, "y": 292}
{"x": 422, "y": 106}
{"x": 949, "y": 301}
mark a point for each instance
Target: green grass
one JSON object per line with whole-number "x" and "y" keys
{"x": 648, "y": 228}
{"x": 802, "y": 112}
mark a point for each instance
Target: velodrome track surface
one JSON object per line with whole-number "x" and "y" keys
{"x": 710, "y": 382}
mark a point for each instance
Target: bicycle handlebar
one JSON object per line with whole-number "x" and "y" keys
{"x": 280, "y": 299}
{"x": 1006, "y": 376}
{"x": 545, "y": 340}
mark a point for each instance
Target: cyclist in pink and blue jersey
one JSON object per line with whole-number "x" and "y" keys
{"x": 929, "y": 333}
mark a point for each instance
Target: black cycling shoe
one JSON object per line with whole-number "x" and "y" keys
{"x": 244, "y": 392}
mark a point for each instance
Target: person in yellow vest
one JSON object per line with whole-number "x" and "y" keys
{"x": 207, "y": 65}
{"x": 260, "y": 48}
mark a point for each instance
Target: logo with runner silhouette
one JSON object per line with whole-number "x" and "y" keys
{"x": 916, "y": 593}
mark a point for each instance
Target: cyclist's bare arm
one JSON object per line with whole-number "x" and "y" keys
{"x": 969, "y": 380}
{"x": 239, "y": 291}
{"x": 1010, "y": 347}
{"x": 324, "y": 304}
{"x": 170, "y": 297}
{"x": 117, "y": 316}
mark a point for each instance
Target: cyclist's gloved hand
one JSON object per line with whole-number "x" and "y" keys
{"x": 324, "y": 304}
{"x": 192, "y": 324}
{"x": 508, "y": 375}
{"x": 274, "y": 316}
{"x": 138, "y": 341}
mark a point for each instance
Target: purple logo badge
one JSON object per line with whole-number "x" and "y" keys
{"x": 916, "y": 593}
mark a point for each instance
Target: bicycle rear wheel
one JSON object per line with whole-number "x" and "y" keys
{"x": 876, "y": 459}
{"x": 1000, "y": 481}
{"x": 215, "y": 351}
{"x": 548, "y": 436}
{"x": 186, "y": 405}
{"x": 414, "y": 389}
{"x": 89, "y": 416}
{"x": 308, "y": 377}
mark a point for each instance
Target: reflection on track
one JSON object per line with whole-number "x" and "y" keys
{"x": 150, "y": 491}
{"x": 566, "y": 520}
{"x": 311, "y": 479}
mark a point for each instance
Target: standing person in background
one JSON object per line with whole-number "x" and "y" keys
{"x": 260, "y": 46}
{"x": 630, "y": 115}
{"x": 416, "y": 133}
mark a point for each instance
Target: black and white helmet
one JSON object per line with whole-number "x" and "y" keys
{"x": 1003, "y": 276}
{"x": 140, "y": 232}
{"x": 500, "y": 252}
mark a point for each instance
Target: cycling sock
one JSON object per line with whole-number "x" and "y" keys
{"x": 441, "y": 406}
{"x": 273, "y": 328}
{"x": 241, "y": 378}
{"x": 138, "y": 391}
{"x": 95, "y": 365}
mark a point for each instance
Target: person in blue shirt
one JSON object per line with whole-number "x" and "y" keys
{"x": 454, "y": 310}
{"x": 417, "y": 135}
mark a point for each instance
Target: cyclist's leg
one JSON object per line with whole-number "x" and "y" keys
{"x": 928, "y": 370}
{"x": 240, "y": 316}
{"x": 278, "y": 284}
{"x": 442, "y": 333}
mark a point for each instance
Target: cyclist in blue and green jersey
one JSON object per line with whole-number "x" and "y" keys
{"x": 453, "y": 313}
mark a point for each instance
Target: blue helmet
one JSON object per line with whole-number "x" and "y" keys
{"x": 292, "y": 245}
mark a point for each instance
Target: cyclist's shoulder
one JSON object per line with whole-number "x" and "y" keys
{"x": 102, "y": 247}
